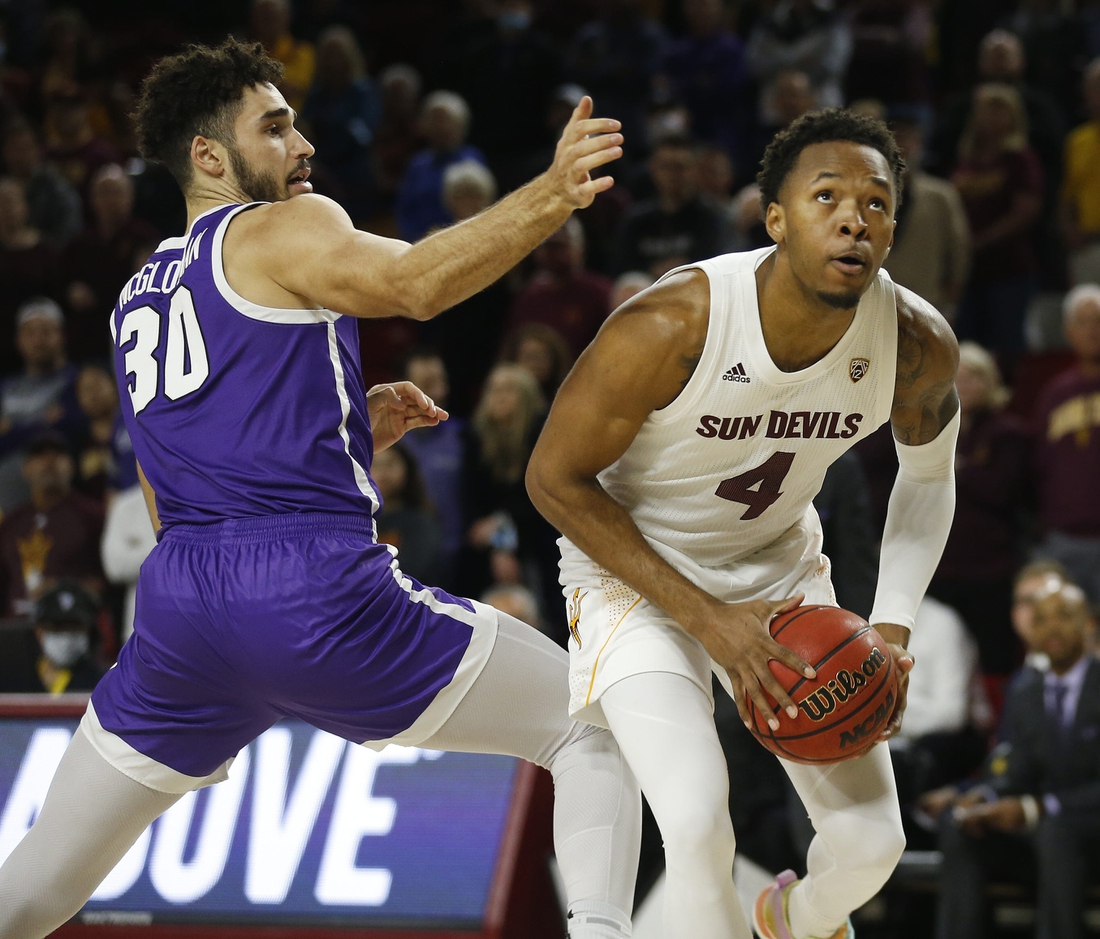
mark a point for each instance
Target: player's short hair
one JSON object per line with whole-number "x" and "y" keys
{"x": 824, "y": 127}
{"x": 197, "y": 93}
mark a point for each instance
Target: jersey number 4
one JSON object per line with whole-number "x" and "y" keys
{"x": 186, "y": 365}
{"x": 767, "y": 477}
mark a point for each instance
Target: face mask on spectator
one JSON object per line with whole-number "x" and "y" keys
{"x": 65, "y": 648}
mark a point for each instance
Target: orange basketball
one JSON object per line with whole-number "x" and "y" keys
{"x": 844, "y": 709}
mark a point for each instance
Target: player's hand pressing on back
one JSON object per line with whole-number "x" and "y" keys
{"x": 398, "y": 407}
{"x": 738, "y": 638}
{"x": 586, "y": 143}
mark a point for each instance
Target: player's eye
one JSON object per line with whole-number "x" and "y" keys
{"x": 824, "y": 197}
{"x": 274, "y": 130}
{"x": 878, "y": 204}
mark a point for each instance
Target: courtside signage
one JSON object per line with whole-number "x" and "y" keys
{"x": 308, "y": 829}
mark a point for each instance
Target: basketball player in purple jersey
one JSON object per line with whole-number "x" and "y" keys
{"x": 268, "y": 595}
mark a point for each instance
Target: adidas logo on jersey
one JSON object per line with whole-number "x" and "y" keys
{"x": 737, "y": 373}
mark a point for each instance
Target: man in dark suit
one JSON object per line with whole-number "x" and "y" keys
{"x": 1042, "y": 785}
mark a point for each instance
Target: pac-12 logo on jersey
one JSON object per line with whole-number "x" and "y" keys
{"x": 857, "y": 368}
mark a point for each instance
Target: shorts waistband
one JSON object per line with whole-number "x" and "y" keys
{"x": 271, "y": 528}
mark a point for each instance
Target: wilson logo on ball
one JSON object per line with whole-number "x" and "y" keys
{"x": 820, "y": 703}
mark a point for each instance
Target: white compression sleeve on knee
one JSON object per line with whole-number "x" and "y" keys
{"x": 922, "y": 505}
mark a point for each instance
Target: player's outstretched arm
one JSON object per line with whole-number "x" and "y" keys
{"x": 925, "y": 421}
{"x": 642, "y": 358}
{"x": 312, "y": 250}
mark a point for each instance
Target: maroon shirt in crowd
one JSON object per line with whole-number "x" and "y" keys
{"x": 992, "y": 480}
{"x": 1067, "y": 433}
{"x": 988, "y": 189}
{"x": 39, "y": 548}
{"x": 576, "y": 308}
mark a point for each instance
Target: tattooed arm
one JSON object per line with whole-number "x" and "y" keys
{"x": 642, "y": 359}
{"x": 925, "y": 424}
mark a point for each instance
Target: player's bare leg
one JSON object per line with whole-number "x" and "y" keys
{"x": 664, "y": 725}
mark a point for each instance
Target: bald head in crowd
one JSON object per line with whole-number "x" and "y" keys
{"x": 1001, "y": 57}
{"x": 1081, "y": 324}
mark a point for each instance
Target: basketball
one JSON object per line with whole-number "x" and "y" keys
{"x": 843, "y": 710}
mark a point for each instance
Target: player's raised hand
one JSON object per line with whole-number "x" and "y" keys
{"x": 738, "y": 638}
{"x": 398, "y": 407}
{"x": 585, "y": 144}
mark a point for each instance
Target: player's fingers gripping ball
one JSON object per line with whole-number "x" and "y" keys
{"x": 843, "y": 710}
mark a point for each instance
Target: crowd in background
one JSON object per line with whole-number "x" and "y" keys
{"x": 424, "y": 113}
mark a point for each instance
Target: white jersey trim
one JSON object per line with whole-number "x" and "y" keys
{"x": 255, "y": 311}
{"x": 139, "y": 767}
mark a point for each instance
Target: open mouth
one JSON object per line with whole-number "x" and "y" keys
{"x": 850, "y": 263}
{"x": 300, "y": 179}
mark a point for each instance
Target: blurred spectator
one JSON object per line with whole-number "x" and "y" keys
{"x": 97, "y": 395}
{"x": 992, "y": 477}
{"x": 54, "y": 536}
{"x": 97, "y": 263}
{"x": 396, "y": 139}
{"x": 1001, "y": 184}
{"x": 468, "y": 188}
{"x": 891, "y": 42}
{"x": 53, "y": 205}
{"x": 792, "y": 95}
{"x": 515, "y": 600}
{"x": 709, "y": 75}
{"x": 41, "y": 396}
{"x": 1067, "y": 429}
{"x": 714, "y": 174}
{"x": 506, "y": 528}
{"x": 849, "y": 539}
{"x": 1081, "y": 191}
{"x": 128, "y": 537}
{"x": 1034, "y": 580}
{"x": 343, "y": 112}
{"x": 561, "y": 293}
{"x": 444, "y": 119}
{"x": 439, "y": 453}
{"x": 1041, "y": 790}
{"x": 616, "y": 59}
{"x": 931, "y": 251}
{"x": 507, "y": 74}
{"x": 73, "y": 144}
{"x": 628, "y": 285}
{"x": 407, "y": 520}
{"x": 28, "y": 264}
{"x": 1001, "y": 60}
{"x": 271, "y": 25}
{"x": 807, "y": 36}
{"x": 747, "y": 221}
{"x": 71, "y": 59}
{"x": 676, "y": 227}
{"x": 939, "y": 741}
{"x": 543, "y": 352}
{"x": 65, "y": 620}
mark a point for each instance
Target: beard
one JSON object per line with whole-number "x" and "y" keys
{"x": 257, "y": 185}
{"x": 839, "y": 301}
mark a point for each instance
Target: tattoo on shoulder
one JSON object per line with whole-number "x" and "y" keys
{"x": 924, "y": 394}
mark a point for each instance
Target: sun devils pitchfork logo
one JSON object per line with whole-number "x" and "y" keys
{"x": 857, "y": 368}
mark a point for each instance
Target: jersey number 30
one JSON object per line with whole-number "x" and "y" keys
{"x": 186, "y": 365}
{"x": 767, "y": 477}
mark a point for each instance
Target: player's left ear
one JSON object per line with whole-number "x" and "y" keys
{"x": 775, "y": 221}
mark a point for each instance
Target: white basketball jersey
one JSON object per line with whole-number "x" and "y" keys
{"x": 721, "y": 482}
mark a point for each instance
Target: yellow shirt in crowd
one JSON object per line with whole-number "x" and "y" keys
{"x": 299, "y": 63}
{"x": 1082, "y": 185}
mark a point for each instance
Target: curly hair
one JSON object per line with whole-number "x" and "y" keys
{"x": 822, "y": 127}
{"x": 197, "y": 93}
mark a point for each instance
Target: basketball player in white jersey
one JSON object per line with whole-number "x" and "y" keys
{"x": 680, "y": 460}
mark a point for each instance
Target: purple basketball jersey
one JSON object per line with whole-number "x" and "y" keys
{"x": 235, "y": 409}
